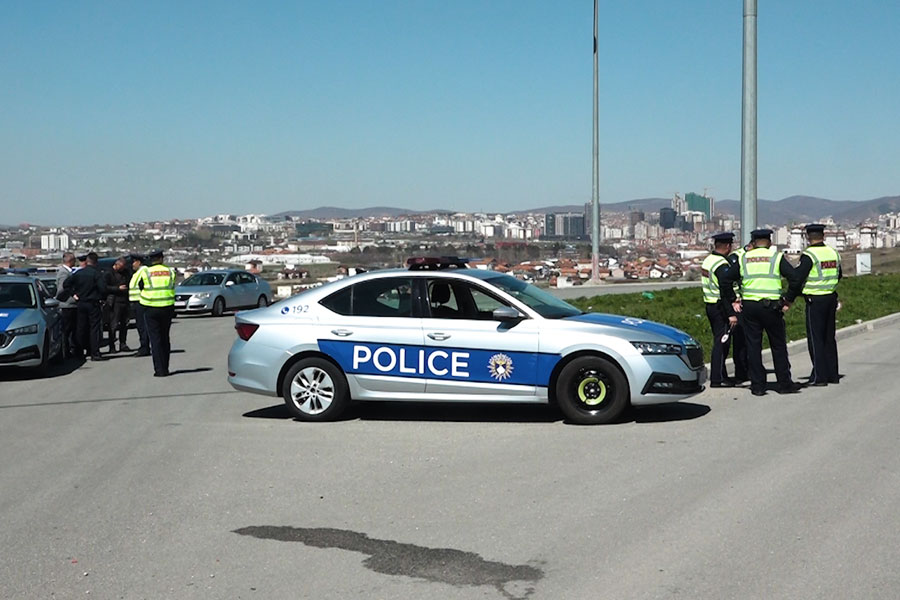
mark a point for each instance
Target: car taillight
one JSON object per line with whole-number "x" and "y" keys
{"x": 245, "y": 330}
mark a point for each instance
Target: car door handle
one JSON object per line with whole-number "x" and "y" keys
{"x": 439, "y": 336}
{"x": 342, "y": 332}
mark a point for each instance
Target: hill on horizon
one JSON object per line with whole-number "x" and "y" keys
{"x": 787, "y": 211}
{"x": 796, "y": 210}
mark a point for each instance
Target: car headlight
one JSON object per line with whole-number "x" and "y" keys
{"x": 202, "y": 295}
{"x": 27, "y": 330}
{"x": 657, "y": 348}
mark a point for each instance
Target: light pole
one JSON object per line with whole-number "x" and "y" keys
{"x": 595, "y": 188}
{"x": 748, "y": 125}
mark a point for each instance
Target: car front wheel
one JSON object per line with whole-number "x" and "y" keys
{"x": 591, "y": 390}
{"x": 218, "y": 307}
{"x": 262, "y": 302}
{"x": 315, "y": 390}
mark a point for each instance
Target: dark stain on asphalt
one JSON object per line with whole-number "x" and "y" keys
{"x": 439, "y": 565}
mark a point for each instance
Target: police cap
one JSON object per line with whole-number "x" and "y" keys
{"x": 757, "y": 234}
{"x": 815, "y": 228}
{"x": 157, "y": 253}
{"x": 138, "y": 257}
{"x": 81, "y": 257}
{"x": 726, "y": 237}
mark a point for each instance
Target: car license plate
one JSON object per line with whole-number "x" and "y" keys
{"x": 180, "y": 304}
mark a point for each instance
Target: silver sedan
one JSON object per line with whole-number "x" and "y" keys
{"x": 456, "y": 335}
{"x": 216, "y": 291}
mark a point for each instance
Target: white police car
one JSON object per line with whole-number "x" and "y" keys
{"x": 437, "y": 333}
{"x": 30, "y": 327}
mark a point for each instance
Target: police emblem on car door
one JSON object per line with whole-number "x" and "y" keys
{"x": 482, "y": 347}
{"x": 376, "y": 338}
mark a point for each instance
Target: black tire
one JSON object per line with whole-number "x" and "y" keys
{"x": 42, "y": 368}
{"x": 591, "y": 390}
{"x": 262, "y": 302}
{"x": 314, "y": 389}
{"x": 218, "y": 307}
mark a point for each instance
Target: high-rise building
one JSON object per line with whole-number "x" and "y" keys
{"x": 565, "y": 225}
{"x": 698, "y": 203}
{"x": 667, "y": 217}
{"x": 635, "y": 217}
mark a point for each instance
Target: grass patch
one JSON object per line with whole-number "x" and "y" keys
{"x": 864, "y": 298}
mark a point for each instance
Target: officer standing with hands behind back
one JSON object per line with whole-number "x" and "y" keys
{"x": 134, "y": 297}
{"x": 719, "y": 310}
{"x": 157, "y": 285}
{"x": 763, "y": 306}
{"x": 820, "y": 269}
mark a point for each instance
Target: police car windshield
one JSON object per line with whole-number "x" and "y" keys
{"x": 541, "y": 302}
{"x": 16, "y": 295}
{"x": 203, "y": 279}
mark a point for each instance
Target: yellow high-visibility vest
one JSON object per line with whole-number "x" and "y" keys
{"x": 159, "y": 286}
{"x": 708, "y": 280}
{"x": 134, "y": 292}
{"x": 761, "y": 278}
{"x": 823, "y": 276}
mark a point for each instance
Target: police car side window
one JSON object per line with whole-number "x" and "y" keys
{"x": 485, "y": 304}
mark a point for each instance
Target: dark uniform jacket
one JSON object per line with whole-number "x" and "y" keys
{"x": 113, "y": 280}
{"x": 87, "y": 283}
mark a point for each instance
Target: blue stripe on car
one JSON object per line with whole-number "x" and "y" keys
{"x": 429, "y": 362}
{"x": 8, "y": 315}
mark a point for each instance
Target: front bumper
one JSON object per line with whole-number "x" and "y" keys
{"x": 192, "y": 304}
{"x": 21, "y": 351}
{"x": 669, "y": 379}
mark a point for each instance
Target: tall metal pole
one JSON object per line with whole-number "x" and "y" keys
{"x": 595, "y": 195}
{"x": 748, "y": 125}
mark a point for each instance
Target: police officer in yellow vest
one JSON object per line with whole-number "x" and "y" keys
{"x": 763, "y": 306}
{"x": 719, "y": 310}
{"x": 820, "y": 269}
{"x": 157, "y": 284}
{"x": 134, "y": 296}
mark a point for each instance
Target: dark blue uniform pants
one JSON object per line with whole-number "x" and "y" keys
{"x": 89, "y": 327}
{"x": 820, "y": 318}
{"x": 718, "y": 322}
{"x": 159, "y": 321}
{"x": 141, "y": 324}
{"x": 758, "y": 318}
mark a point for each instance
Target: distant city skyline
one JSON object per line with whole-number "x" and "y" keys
{"x": 135, "y": 112}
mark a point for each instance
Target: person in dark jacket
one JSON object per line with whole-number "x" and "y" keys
{"x": 88, "y": 286}
{"x": 117, "y": 304}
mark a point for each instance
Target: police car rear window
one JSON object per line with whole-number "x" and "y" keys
{"x": 385, "y": 297}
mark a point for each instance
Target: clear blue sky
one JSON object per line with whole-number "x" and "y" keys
{"x": 115, "y": 111}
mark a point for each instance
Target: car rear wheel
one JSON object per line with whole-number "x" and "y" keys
{"x": 591, "y": 391}
{"x": 262, "y": 302}
{"x": 218, "y": 307}
{"x": 315, "y": 390}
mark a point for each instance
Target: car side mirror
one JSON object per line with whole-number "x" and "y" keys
{"x": 507, "y": 313}
{"x": 51, "y": 303}
{"x": 229, "y": 283}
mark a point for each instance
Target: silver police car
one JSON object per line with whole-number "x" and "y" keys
{"x": 216, "y": 291}
{"x": 439, "y": 333}
{"x": 30, "y": 327}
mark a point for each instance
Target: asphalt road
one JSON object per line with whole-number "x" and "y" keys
{"x": 117, "y": 485}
